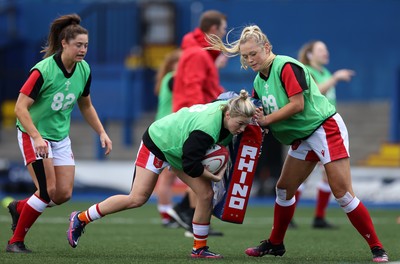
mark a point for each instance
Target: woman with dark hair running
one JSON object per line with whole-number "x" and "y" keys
{"x": 43, "y": 111}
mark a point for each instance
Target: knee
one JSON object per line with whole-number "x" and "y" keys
{"x": 348, "y": 202}
{"x": 60, "y": 197}
{"x": 284, "y": 193}
{"x": 205, "y": 196}
{"x": 137, "y": 201}
{"x": 283, "y": 199}
{"x": 340, "y": 190}
{"x": 281, "y": 193}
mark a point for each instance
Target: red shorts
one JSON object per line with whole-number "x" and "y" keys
{"x": 328, "y": 143}
{"x": 149, "y": 161}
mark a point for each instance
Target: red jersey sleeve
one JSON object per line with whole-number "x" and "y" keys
{"x": 33, "y": 84}
{"x": 293, "y": 79}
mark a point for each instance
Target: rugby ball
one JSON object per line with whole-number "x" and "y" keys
{"x": 216, "y": 157}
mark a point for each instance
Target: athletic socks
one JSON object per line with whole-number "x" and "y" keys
{"x": 162, "y": 209}
{"x": 322, "y": 203}
{"x": 30, "y": 212}
{"x": 200, "y": 235}
{"x": 21, "y": 204}
{"x": 361, "y": 220}
{"x": 90, "y": 215}
{"x": 283, "y": 213}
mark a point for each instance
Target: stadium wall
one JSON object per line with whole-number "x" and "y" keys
{"x": 361, "y": 35}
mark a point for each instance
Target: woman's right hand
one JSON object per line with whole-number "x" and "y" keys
{"x": 41, "y": 147}
{"x": 220, "y": 174}
{"x": 259, "y": 116}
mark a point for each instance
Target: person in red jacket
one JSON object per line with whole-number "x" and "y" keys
{"x": 197, "y": 78}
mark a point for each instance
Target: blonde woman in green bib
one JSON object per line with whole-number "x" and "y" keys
{"x": 178, "y": 142}
{"x": 297, "y": 114}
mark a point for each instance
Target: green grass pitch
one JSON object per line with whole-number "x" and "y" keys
{"x": 136, "y": 236}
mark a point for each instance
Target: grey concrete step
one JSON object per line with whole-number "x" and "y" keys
{"x": 368, "y": 127}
